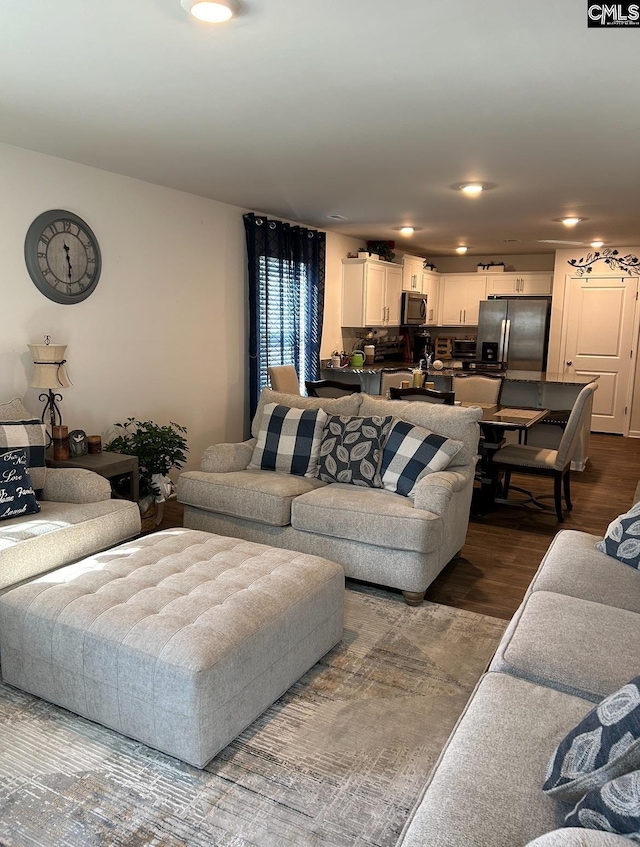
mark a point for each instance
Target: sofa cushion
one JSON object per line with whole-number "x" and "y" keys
{"x": 347, "y": 405}
{"x": 485, "y": 789}
{"x": 371, "y": 516}
{"x": 451, "y": 421}
{"x": 351, "y": 450}
{"x": 31, "y": 435}
{"x": 604, "y": 745}
{"x": 615, "y": 807}
{"x": 16, "y": 493}
{"x": 622, "y": 539}
{"x": 14, "y": 410}
{"x": 410, "y": 453}
{"x": 568, "y": 643}
{"x": 289, "y": 440}
{"x": 262, "y": 496}
{"x": 573, "y": 566}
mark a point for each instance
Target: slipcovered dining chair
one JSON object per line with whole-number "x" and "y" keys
{"x": 477, "y": 388}
{"x": 284, "y": 378}
{"x": 331, "y": 388}
{"x": 427, "y": 395}
{"x": 520, "y": 458}
{"x": 393, "y": 378}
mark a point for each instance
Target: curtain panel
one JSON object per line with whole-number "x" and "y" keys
{"x": 286, "y": 299}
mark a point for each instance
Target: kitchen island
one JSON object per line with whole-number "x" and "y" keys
{"x": 532, "y": 389}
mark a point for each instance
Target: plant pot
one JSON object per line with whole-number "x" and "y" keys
{"x": 148, "y": 519}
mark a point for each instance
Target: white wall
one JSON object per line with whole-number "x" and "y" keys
{"x": 469, "y": 264}
{"x": 163, "y": 334}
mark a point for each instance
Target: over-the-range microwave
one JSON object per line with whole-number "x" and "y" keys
{"x": 414, "y": 309}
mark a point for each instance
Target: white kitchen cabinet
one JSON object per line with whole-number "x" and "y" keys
{"x": 412, "y": 274}
{"x": 532, "y": 282}
{"x": 431, "y": 288}
{"x": 371, "y": 293}
{"x": 460, "y": 296}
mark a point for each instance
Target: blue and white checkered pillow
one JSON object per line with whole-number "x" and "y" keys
{"x": 410, "y": 453}
{"x": 289, "y": 440}
{"x": 31, "y": 436}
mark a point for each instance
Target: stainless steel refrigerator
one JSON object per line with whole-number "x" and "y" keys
{"x": 513, "y": 332}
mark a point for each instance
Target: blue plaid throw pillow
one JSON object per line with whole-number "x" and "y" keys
{"x": 289, "y": 440}
{"x": 410, "y": 453}
{"x": 29, "y": 435}
{"x": 622, "y": 538}
{"x": 16, "y": 492}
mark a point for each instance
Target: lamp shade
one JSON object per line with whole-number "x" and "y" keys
{"x": 49, "y": 369}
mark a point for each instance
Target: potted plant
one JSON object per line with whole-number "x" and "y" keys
{"x": 384, "y": 249}
{"x": 158, "y": 448}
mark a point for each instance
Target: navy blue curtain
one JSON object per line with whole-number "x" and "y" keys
{"x": 286, "y": 299}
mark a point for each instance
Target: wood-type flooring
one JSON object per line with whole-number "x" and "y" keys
{"x": 503, "y": 549}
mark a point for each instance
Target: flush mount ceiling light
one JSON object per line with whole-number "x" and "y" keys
{"x": 570, "y": 220}
{"x": 407, "y": 230}
{"x": 597, "y": 243}
{"x": 471, "y": 189}
{"x": 461, "y": 249}
{"x": 210, "y": 11}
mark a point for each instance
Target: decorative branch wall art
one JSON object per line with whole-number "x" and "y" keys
{"x": 629, "y": 263}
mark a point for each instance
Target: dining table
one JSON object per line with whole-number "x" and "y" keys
{"x": 496, "y": 421}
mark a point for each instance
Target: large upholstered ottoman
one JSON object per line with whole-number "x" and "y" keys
{"x": 179, "y": 639}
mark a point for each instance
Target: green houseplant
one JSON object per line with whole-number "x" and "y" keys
{"x": 158, "y": 448}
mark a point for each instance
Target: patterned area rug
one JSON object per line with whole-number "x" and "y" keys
{"x": 338, "y": 761}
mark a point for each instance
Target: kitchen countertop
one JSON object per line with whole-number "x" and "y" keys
{"x": 509, "y": 375}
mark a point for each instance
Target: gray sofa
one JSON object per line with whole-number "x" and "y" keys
{"x": 77, "y": 518}
{"x": 375, "y": 535}
{"x": 573, "y": 640}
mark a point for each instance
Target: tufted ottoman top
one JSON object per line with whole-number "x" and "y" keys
{"x": 173, "y": 625}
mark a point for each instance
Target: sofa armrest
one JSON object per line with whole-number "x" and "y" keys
{"x": 74, "y": 485}
{"x": 434, "y": 491}
{"x": 226, "y": 458}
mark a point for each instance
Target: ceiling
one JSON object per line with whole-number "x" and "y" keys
{"x": 361, "y": 108}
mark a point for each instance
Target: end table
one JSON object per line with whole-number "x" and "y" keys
{"x": 105, "y": 464}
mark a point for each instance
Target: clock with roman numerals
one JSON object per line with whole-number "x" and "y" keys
{"x": 62, "y": 256}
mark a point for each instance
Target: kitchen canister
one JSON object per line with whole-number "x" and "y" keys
{"x": 369, "y": 354}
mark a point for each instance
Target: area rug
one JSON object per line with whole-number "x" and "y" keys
{"x": 338, "y": 761}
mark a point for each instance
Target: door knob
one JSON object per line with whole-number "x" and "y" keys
{"x": 569, "y": 364}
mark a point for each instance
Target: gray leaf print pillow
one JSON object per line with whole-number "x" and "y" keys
{"x": 622, "y": 539}
{"x": 351, "y": 450}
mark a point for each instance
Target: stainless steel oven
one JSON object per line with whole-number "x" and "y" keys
{"x": 414, "y": 309}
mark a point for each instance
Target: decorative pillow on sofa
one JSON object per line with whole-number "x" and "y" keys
{"x": 351, "y": 450}
{"x": 289, "y": 440}
{"x": 614, "y": 807}
{"x": 31, "y": 436}
{"x": 411, "y": 452}
{"x": 622, "y": 538}
{"x": 16, "y": 492}
{"x": 604, "y": 745}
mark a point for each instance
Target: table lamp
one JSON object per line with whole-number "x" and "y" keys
{"x": 49, "y": 372}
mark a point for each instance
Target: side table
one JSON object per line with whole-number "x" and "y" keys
{"x": 105, "y": 464}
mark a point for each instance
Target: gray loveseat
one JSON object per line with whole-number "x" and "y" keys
{"x": 376, "y": 535}
{"x": 573, "y": 641}
{"x": 77, "y": 518}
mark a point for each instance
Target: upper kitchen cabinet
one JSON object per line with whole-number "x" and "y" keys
{"x": 460, "y": 296}
{"x": 412, "y": 273}
{"x": 370, "y": 293}
{"x": 431, "y": 289}
{"x": 533, "y": 282}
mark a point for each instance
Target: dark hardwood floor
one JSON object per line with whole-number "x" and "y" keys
{"x": 504, "y": 549}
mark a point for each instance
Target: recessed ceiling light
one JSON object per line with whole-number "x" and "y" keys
{"x": 597, "y": 243}
{"x": 461, "y": 249}
{"x": 210, "y": 11}
{"x": 472, "y": 189}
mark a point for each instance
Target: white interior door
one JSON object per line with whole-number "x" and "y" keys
{"x": 598, "y": 331}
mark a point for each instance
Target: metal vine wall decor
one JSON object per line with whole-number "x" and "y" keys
{"x": 629, "y": 263}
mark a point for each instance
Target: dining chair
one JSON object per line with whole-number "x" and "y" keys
{"x": 331, "y": 388}
{"x": 477, "y": 388}
{"x": 427, "y": 395}
{"x": 523, "y": 459}
{"x": 393, "y": 378}
{"x": 284, "y": 378}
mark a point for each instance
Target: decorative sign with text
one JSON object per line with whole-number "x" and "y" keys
{"x": 613, "y": 14}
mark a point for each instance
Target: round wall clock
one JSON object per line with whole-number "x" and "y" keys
{"x": 62, "y": 256}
